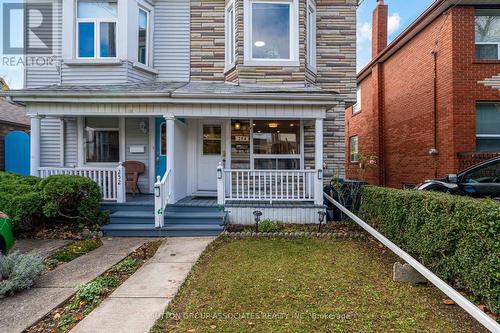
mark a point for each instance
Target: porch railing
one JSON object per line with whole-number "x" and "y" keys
{"x": 469, "y": 159}
{"x": 163, "y": 194}
{"x": 111, "y": 181}
{"x": 267, "y": 185}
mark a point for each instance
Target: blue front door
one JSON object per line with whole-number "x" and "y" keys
{"x": 160, "y": 147}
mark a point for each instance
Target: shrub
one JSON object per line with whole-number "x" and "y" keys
{"x": 458, "y": 238}
{"x": 18, "y": 271}
{"x": 270, "y": 226}
{"x": 91, "y": 292}
{"x": 128, "y": 265}
{"x": 71, "y": 197}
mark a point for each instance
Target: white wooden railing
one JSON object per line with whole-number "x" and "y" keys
{"x": 111, "y": 181}
{"x": 163, "y": 195}
{"x": 267, "y": 185}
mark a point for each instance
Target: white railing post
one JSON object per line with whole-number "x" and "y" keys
{"x": 221, "y": 193}
{"x": 159, "y": 209}
{"x": 121, "y": 192}
{"x": 35, "y": 145}
{"x": 318, "y": 159}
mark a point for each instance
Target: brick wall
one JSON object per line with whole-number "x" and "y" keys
{"x": 397, "y": 118}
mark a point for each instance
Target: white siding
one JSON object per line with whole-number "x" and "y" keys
{"x": 137, "y": 75}
{"x": 50, "y": 142}
{"x": 70, "y": 142}
{"x": 298, "y": 215}
{"x": 75, "y": 75}
{"x": 172, "y": 40}
{"x": 135, "y": 136}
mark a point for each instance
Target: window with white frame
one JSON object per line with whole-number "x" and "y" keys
{"x": 276, "y": 144}
{"x": 96, "y": 28}
{"x": 357, "y": 107}
{"x": 353, "y": 149}
{"x": 488, "y": 36}
{"x": 143, "y": 37}
{"x": 488, "y": 127}
{"x": 311, "y": 34}
{"x": 271, "y": 32}
{"x": 101, "y": 140}
{"x": 230, "y": 34}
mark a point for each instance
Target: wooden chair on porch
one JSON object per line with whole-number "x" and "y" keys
{"x": 133, "y": 169}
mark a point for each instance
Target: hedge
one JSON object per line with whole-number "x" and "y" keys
{"x": 457, "y": 238}
{"x": 29, "y": 200}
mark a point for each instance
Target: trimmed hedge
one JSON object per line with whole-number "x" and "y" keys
{"x": 28, "y": 200}
{"x": 457, "y": 238}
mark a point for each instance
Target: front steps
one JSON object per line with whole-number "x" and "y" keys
{"x": 180, "y": 221}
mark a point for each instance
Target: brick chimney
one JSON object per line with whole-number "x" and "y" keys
{"x": 379, "y": 28}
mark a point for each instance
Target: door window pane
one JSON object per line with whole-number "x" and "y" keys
{"x": 163, "y": 139}
{"x": 212, "y": 139}
{"x": 487, "y": 36}
{"x": 270, "y": 31}
{"x": 108, "y": 43}
{"x": 86, "y": 40}
{"x": 143, "y": 36}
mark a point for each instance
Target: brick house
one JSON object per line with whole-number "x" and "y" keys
{"x": 428, "y": 103}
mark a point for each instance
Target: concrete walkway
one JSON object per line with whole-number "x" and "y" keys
{"x": 141, "y": 300}
{"x": 42, "y": 247}
{"x": 53, "y": 288}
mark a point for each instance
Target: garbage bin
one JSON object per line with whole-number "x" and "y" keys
{"x": 343, "y": 192}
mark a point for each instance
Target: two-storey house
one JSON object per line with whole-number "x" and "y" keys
{"x": 429, "y": 102}
{"x": 239, "y": 102}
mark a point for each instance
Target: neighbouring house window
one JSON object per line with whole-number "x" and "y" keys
{"x": 96, "y": 29}
{"x": 101, "y": 140}
{"x": 271, "y": 32}
{"x": 353, "y": 149}
{"x": 311, "y": 34}
{"x": 276, "y": 144}
{"x": 488, "y": 127}
{"x": 212, "y": 139}
{"x": 357, "y": 107}
{"x": 143, "y": 37}
{"x": 488, "y": 37}
{"x": 230, "y": 34}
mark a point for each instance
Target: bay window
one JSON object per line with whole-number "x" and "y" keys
{"x": 488, "y": 127}
{"x": 143, "y": 36}
{"x": 488, "y": 36}
{"x": 271, "y": 33}
{"x": 230, "y": 35}
{"x": 276, "y": 144}
{"x": 96, "y": 29}
{"x": 101, "y": 141}
{"x": 311, "y": 35}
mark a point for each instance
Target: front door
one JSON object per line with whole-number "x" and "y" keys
{"x": 160, "y": 147}
{"x": 210, "y": 153}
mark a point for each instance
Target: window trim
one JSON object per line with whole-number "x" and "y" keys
{"x": 311, "y": 35}
{"x": 294, "y": 35}
{"x": 356, "y": 108}
{"x": 230, "y": 36}
{"x": 148, "y": 33}
{"x": 487, "y": 43}
{"x": 356, "y": 160}
{"x": 485, "y": 12}
{"x": 97, "y": 34}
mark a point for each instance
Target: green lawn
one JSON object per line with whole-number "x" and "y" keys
{"x": 307, "y": 285}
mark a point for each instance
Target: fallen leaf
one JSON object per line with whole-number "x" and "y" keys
{"x": 448, "y": 301}
{"x": 482, "y": 307}
{"x": 57, "y": 316}
{"x": 213, "y": 327}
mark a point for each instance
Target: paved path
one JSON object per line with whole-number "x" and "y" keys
{"x": 43, "y": 247}
{"x": 53, "y": 288}
{"x": 136, "y": 305}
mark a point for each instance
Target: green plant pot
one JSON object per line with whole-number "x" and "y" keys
{"x": 6, "y": 235}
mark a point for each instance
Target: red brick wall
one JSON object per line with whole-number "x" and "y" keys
{"x": 405, "y": 102}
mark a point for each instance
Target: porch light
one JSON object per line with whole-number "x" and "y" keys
{"x": 273, "y": 125}
{"x": 259, "y": 43}
{"x": 257, "y": 214}
{"x": 237, "y": 125}
{"x": 320, "y": 174}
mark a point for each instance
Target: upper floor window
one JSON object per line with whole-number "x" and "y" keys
{"x": 311, "y": 34}
{"x": 357, "y": 107}
{"x": 143, "y": 37}
{"x": 96, "y": 29}
{"x": 271, "y": 32}
{"x": 230, "y": 35}
{"x": 488, "y": 37}
{"x": 353, "y": 149}
{"x": 488, "y": 127}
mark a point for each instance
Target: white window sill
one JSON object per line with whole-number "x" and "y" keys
{"x": 92, "y": 62}
{"x": 227, "y": 68}
{"x": 271, "y": 63}
{"x": 145, "y": 68}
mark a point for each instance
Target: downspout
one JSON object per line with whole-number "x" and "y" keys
{"x": 434, "y": 152}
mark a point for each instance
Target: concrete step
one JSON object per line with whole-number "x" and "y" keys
{"x": 147, "y": 217}
{"x": 171, "y": 230}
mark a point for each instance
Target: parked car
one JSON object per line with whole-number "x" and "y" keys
{"x": 6, "y": 235}
{"x": 480, "y": 180}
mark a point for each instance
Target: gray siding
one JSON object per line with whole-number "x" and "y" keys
{"x": 50, "y": 142}
{"x": 70, "y": 142}
{"x": 74, "y": 75}
{"x": 172, "y": 40}
{"x": 134, "y": 136}
{"x": 135, "y": 74}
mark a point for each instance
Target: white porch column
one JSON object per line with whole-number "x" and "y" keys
{"x": 35, "y": 145}
{"x": 318, "y": 155}
{"x": 170, "y": 122}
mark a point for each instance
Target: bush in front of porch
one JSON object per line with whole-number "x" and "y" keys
{"x": 30, "y": 201}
